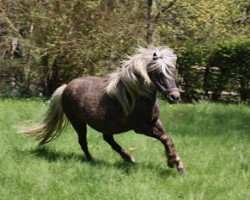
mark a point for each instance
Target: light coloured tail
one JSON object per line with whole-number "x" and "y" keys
{"x": 53, "y": 122}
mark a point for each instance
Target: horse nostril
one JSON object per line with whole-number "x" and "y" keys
{"x": 174, "y": 98}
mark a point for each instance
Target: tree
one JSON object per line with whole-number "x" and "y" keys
{"x": 61, "y": 40}
{"x": 72, "y": 38}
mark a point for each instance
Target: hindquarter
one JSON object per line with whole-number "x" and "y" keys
{"x": 80, "y": 97}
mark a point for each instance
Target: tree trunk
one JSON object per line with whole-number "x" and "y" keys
{"x": 51, "y": 81}
{"x": 153, "y": 16}
{"x": 243, "y": 90}
{"x": 150, "y": 23}
{"x": 206, "y": 81}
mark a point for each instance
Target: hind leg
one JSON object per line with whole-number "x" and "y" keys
{"x": 123, "y": 153}
{"x": 81, "y": 129}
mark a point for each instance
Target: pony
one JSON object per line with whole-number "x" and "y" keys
{"x": 125, "y": 100}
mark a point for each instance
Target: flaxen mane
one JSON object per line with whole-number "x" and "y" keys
{"x": 132, "y": 80}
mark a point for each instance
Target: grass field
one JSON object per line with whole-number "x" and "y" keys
{"x": 212, "y": 139}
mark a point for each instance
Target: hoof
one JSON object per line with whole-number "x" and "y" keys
{"x": 181, "y": 171}
{"x": 132, "y": 160}
{"x": 129, "y": 159}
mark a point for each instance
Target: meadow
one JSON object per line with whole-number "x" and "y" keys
{"x": 212, "y": 139}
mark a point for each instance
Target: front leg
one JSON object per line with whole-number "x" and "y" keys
{"x": 157, "y": 131}
{"x": 173, "y": 158}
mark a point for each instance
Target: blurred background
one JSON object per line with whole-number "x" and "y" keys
{"x": 45, "y": 43}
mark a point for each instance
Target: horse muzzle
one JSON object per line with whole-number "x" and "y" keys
{"x": 172, "y": 94}
{"x": 174, "y": 97}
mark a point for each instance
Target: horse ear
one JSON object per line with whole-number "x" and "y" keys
{"x": 155, "y": 56}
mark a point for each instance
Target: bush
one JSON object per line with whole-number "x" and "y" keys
{"x": 191, "y": 62}
{"x": 230, "y": 61}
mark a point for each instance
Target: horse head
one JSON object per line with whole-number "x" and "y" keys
{"x": 162, "y": 73}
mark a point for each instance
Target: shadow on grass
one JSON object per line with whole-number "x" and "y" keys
{"x": 130, "y": 168}
{"x": 125, "y": 167}
{"x": 52, "y": 156}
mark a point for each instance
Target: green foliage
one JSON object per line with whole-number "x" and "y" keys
{"x": 194, "y": 28}
{"x": 218, "y": 169}
{"x": 190, "y": 60}
{"x": 11, "y": 71}
{"x": 75, "y": 38}
{"x": 62, "y": 40}
{"x": 232, "y": 60}
{"x": 201, "y": 22}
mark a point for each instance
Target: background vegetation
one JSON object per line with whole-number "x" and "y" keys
{"x": 212, "y": 139}
{"x": 46, "y": 43}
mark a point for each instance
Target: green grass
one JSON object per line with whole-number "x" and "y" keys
{"x": 212, "y": 139}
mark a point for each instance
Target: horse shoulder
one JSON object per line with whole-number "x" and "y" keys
{"x": 146, "y": 115}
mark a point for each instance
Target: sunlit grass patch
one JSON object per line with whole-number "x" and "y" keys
{"x": 212, "y": 139}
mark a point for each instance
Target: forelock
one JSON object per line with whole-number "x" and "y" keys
{"x": 163, "y": 60}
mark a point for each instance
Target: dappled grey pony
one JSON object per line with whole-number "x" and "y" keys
{"x": 124, "y": 101}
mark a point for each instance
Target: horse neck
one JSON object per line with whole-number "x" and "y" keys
{"x": 152, "y": 95}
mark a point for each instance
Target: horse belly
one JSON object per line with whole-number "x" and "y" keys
{"x": 114, "y": 127}
{"x": 107, "y": 119}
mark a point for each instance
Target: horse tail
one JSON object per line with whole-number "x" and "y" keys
{"x": 54, "y": 121}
